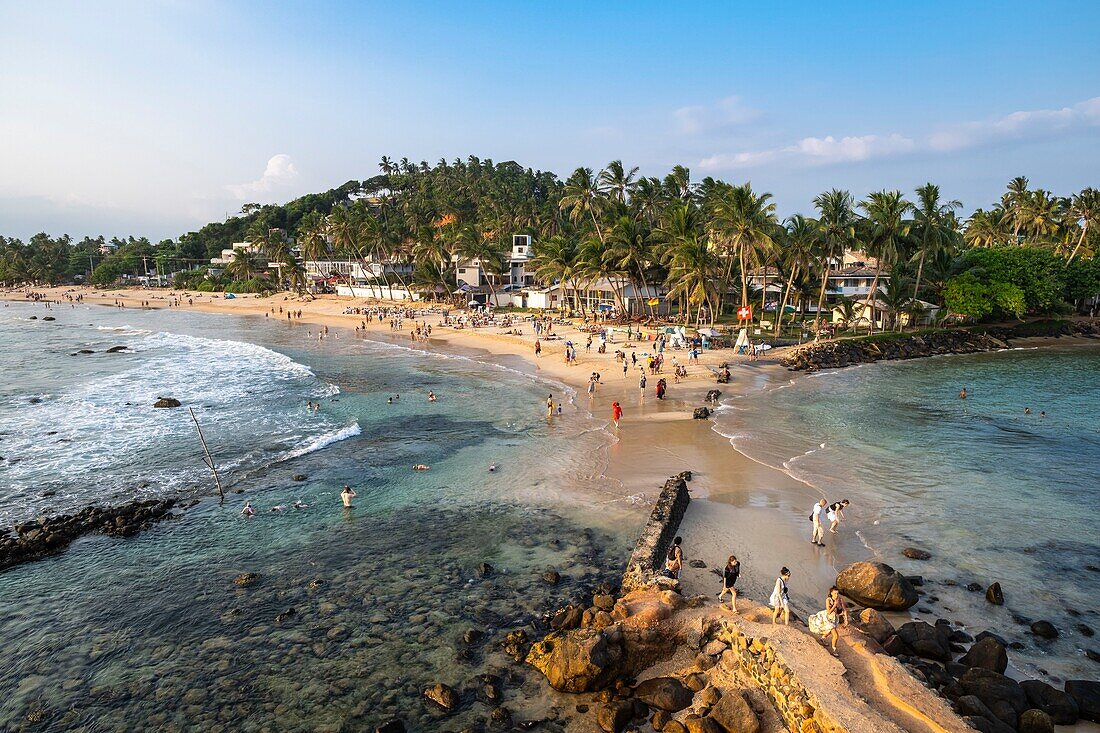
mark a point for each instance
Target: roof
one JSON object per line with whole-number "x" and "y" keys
{"x": 856, "y": 271}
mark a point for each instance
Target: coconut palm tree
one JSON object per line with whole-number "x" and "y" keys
{"x": 896, "y": 299}
{"x": 837, "y": 218}
{"x": 631, "y": 246}
{"x": 243, "y": 266}
{"x": 692, "y": 268}
{"x": 313, "y": 240}
{"x": 847, "y": 308}
{"x": 557, "y": 259}
{"x": 933, "y": 226}
{"x": 583, "y": 200}
{"x": 986, "y": 228}
{"x": 616, "y": 182}
{"x": 800, "y": 240}
{"x": 886, "y": 228}
{"x": 746, "y": 224}
{"x": 1085, "y": 208}
{"x": 292, "y": 270}
{"x": 474, "y": 245}
{"x": 1014, "y": 201}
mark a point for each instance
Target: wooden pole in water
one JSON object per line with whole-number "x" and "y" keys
{"x": 208, "y": 459}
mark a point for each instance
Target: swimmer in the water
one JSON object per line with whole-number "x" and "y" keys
{"x": 492, "y": 468}
{"x": 431, "y": 396}
{"x": 421, "y": 467}
{"x": 389, "y": 401}
{"x": 347, "y": 495}
{"x": 962, "y": 394}
{"x": 248, "y": 511}
{"x": 300, "y": 505}
{"x": 277, "y": 508}
{"x": 1027, "y": 410}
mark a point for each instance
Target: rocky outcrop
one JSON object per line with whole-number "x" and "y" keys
{"x": 1086, "y": 694}
{"x": 876, "y": 585}
{"x": 987, "y": 653}
{"x": 664, "y": 693}
{"x": 926, "y": 640}
{"x": 581, "y": 660}
{"x": 1059, "y": 705}
{"x": 165, "y": 402}
{"x": 32, "y": 540}
{"x": 887, "y": 347}
{"x": 700, "y": 413}
{"x": 649, "y": 553}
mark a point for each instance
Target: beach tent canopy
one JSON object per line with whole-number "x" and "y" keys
{"x": 230, "y": 296}
{"x": 709, "y": 332}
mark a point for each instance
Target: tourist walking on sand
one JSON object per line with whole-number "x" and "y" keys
{"x": 616, "y": 413}
{"x": 538, "y": 348}
{"x": 819, "y": 527}
{"x": 835, "y": 512}
{"x": 780, "y": 600}
{"x": 347, "y": 495}
{"x": 729, "y": 581}
{"x": 825, "y": 623}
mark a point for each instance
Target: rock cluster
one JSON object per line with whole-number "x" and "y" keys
{"x": 837, "y": 354}
{"x": 32, "y": 540}
{"x": 649, "y": 553}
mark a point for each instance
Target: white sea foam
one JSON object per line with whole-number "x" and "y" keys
{"x": 322, "y": 441}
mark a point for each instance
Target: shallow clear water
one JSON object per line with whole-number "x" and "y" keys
{"x": 151, "y": 632}
{"x": 994, "y": 494}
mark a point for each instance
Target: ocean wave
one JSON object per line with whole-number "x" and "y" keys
{"x": 321, "y": 441}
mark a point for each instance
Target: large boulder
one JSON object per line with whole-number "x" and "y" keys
{"x": 930, "y": 642}
{"x": 443, "y": 695}
{"x": 613, "y": 717}
{"x": 580, "y": 660}
{"x": 993, "y": 688}
{"x": 987, "y": 653}
{"x": 734, "y": 714}
{"x": 1059, "y": 705}
{"x": 995, "y": 595}
{"x": 664, "y": 693}
{"x": 1086, "y": 694}
{"x": 876, "y": 585}
{"x": 167, "y": 402}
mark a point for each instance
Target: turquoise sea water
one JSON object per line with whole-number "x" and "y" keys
{"x": 355, "y": 612}
{"x": 994, "y": 494}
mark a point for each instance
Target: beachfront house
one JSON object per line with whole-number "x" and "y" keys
{"x": 849, "y": 277}
{"x": 917, "y": 313}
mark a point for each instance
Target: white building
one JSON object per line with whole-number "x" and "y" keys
{"x": 227, "y": 254}
{"x": 472, "y": 272}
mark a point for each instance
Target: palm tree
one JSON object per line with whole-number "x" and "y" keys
{"x": 800, "y": 240}
{"x": 617, "y": 183}
{"x": 582, "y": 199}
{"x": 630, "y": 245}
{"x": 692, "y": 268}
{"x": 473, "y": 245}
{"x": 243, "y": 266}
{"x": 847, "y": 308}
{"x": 292, "y": 270}
{"x": 746, "y": 222}
{"x": 1085, "y": 208}
{"x": 986, "y": 228}
{"x": 558, "y": 259}
{"x": 886, "y": 228}
{"x": 933, "y": 226}
{"x": 837, "y": 218}
{"x": 1014, "y": 201}
{"x": 895, "y": 297}
{"x": 313, "y": 238}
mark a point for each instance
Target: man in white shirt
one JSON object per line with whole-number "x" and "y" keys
{"x": 819, "y": 526}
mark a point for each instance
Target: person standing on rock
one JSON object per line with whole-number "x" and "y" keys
{"x": 780, "y": 600}
{"x": 729, "y": 580}
{"x": 819, "y": 527}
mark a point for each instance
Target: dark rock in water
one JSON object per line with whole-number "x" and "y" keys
{"x": 930, "y": 642}
{"x": 116, "y": 349}
{"x": 484, "y": 570}
{"x": 567, "y": 618}
{"x": 683, "y": 476}
{"x": 444, "y": 696}
{"x": 391, "y": 726}
{"x": 1086, "y": 694}
{"x": 697, "y": 564}
{"x": 472, "y": 636}
{"x": 1059, "y": 705}
{"x": 958, "y": 636}
{"x": 917, "y": 581}
{"x": 1044, "y": 630}
{"x": 50, "y": 535}
{"x": 286, "y": 616}
{"x": 700, "y": 413}
{"x": 664, "y": 693}
{"x": 167, "y": 402}
{"x": 48, "y": 318}
{"x": 1035, "y": 721}
{"x": 34, "y": 400}
{"x": 1085, "y": 630}
{"x": 713, "y": 395}
{"x": 987, "y": 654}
{"x": 551, "y": 577}
{"x": 878, "y": 586}
{"x": 33, "y": 318}
{"x": 299, "y": 477}
{"x": 994, "y": 595}
{"x": 991, "y": 635}
{"x": 993, "y": 688}
{"x": 246, "y": 579}
{"x": 914, "y": 553}
{"x": 85, "y": 351}
{"x": 516, "y": 644}
{"x": 974, "y": 587}
{"x": 501, "y": 717}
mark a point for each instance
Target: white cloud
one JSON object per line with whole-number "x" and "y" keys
{"x": 279, "y": 174}
{"x": 717, "y": 117}
{"x": 1028, "y": 124}
{"x": 1023, "y": 125}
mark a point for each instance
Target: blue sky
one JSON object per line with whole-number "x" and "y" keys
{"x": 155, "y": 117}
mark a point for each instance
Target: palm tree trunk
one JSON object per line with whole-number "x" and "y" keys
{"x": 783, "y": 305}
{"x": 920, "y": 269}
{"x": 871, "y": 298}
{"x": 821, "y": 298}
{"x": 744, "y": 276}
{"x": 1080, "y": 241}
{"x": 764, "y": 293}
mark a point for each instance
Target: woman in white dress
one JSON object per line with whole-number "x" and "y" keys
{"x": 825, "y": 623}
{"x": 780, "y": 600}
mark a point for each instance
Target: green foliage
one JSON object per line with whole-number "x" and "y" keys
{"x": 1041, "y": 274}
{"x": 967, "y": 295}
